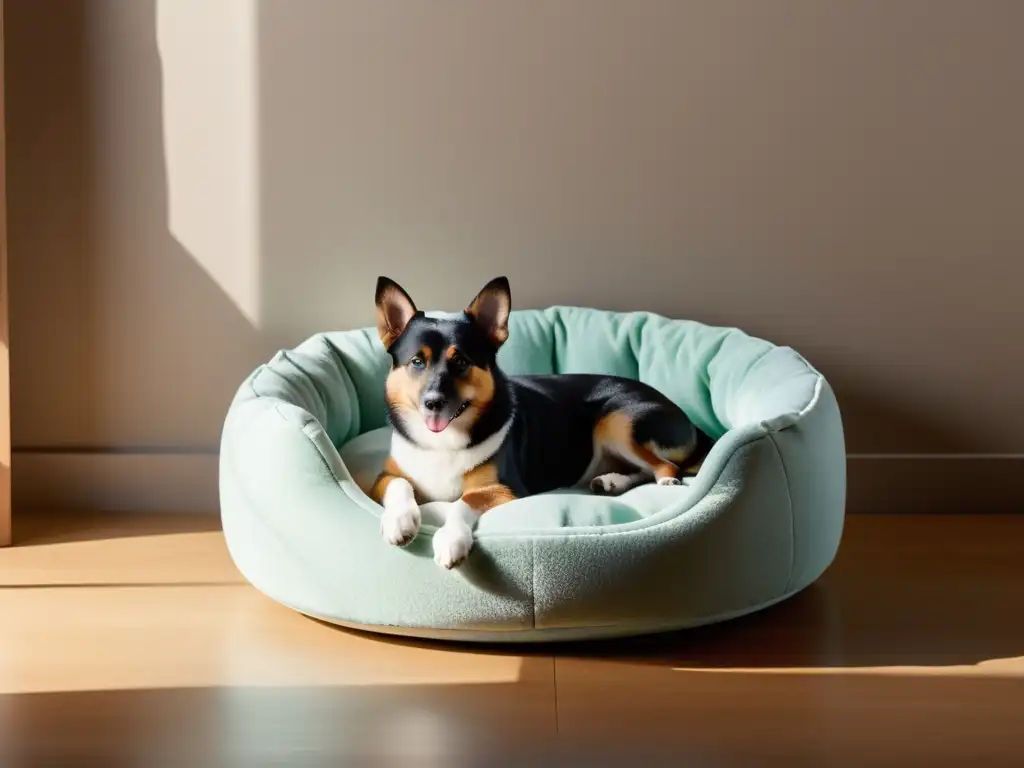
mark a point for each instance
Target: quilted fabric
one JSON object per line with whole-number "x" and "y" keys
{"x": 761, "y": 521}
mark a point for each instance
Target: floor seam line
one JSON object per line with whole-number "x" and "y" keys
{"x": 554, "y": 685}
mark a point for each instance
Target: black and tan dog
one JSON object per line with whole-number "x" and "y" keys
{"x": 466, "y": 432}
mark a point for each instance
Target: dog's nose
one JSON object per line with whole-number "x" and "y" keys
{"x": 433, "y": 403}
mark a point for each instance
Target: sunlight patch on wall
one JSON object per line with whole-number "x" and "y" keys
{"x": 210, "y": 91}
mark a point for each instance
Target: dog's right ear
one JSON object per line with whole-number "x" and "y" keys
{"x": 490, "y": 310}
{"x": 394, "y": 310}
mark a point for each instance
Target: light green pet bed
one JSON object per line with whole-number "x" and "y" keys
{"x": 761, "y": 520}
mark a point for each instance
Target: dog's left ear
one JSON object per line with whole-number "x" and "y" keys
{"x": 490, "y": 309}
{"x": 394, "y": 310}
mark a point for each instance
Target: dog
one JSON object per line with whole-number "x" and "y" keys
{"x": 465, "y": 432}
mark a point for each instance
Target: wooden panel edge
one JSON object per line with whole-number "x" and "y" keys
{"x": 5, "y": 357}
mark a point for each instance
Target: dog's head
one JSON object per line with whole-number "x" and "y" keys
{"x": 443, "y": 370}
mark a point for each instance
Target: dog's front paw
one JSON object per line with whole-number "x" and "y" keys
{"x": 452, "y": 544}
{"x": 400, "y": 526}
{"x": 669, "y": 481}
{"x": 401, "y": 519}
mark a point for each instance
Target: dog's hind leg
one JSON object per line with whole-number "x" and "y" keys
{"x": 614, "y": 483}
{"x": 652, "y": 442}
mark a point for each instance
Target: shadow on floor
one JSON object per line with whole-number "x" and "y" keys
{"x": 908, "y": 593}
{"x": 822, "y": 627}
{"x": 757, "y": 719}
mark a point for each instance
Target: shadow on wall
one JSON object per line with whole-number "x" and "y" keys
{"x": 122, "y": 338}
{"x": 125, "y": 339}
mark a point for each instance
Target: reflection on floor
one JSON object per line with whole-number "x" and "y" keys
{"x": 131, "y": 639}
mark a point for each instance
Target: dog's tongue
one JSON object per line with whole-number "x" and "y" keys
{"x": 436, "y": 423}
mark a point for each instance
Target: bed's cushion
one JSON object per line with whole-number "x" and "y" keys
{"x": 364, "y": 456}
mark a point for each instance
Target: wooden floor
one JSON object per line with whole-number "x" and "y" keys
{"x": 132, "y": 640}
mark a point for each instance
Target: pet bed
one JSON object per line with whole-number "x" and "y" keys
{"x": 760, "y": 521}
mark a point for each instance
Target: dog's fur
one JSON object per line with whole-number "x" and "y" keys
{"x": 466, "y": 432}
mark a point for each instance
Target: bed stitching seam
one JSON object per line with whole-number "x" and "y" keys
{"x": 313, "y": 383}
{"x": 792, "y": 514}
{"x": 533, "y": 574}
{"x": 286, "y": 420}
{"x": 319, "y": 451}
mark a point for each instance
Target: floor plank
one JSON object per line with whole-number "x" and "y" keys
{"x": 52, "y": 549}
{"x": 132, "y": 640}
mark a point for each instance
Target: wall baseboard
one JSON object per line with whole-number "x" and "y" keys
{"x": 136, "y": 482}
{"x": 156, "y": 482}
{"x": 935, "y": 484}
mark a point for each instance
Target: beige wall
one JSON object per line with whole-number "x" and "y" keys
{"x": 193, "y": 184}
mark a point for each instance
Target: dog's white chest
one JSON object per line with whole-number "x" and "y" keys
{"x": 438, "y": 474}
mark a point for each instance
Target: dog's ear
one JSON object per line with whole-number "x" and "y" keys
{"x": 490, "y": 309}
{"x": 394, "y": 310}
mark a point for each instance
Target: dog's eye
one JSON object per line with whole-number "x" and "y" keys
{"x": 418, "y": 362}
{"x": 459, "y": 363}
